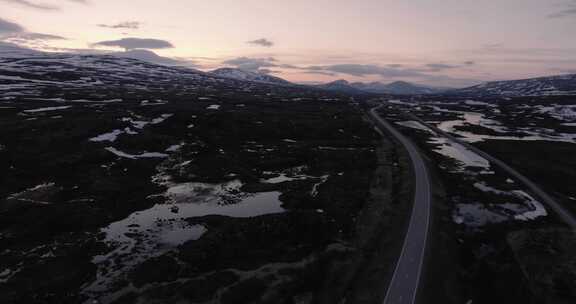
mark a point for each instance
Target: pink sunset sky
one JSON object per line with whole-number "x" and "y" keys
{"x": 434, "y": 42}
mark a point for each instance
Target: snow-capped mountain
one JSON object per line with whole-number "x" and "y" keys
{"x": 27, "y": 73}
{"x": 542, "y": 86}
{"x": 149, "y": 56}
{"x": 395, "y": 88}
{"x": 30, "y": 74}
{"x": 248, "y": 76}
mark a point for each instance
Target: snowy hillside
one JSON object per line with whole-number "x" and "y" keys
{"x": 31, "y": 74}
{"x": 248, "y": 76}
{"x": 542, "y": 86}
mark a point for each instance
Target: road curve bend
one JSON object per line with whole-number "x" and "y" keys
{"x": 405, "y": 281}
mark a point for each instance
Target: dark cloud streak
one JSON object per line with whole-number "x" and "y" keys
{"x": 436, "y": 67}
{"x": 35, "y": 36}
{"x": 136, "y": 43}
{"x": 13, "y": 32}
{"x": 8, "y": 27}
{"x": 568, "y": 11}
{"x": 362, "y": 70}
{"x": 40, "y": 5}
{"x": 261, "y": 42}
{"x": 131, "y": 25}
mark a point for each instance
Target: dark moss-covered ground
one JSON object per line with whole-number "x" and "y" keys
{"x": 485, "y": 263}
{"x": 59, "y": 189}
{"x": 552, "y": 165}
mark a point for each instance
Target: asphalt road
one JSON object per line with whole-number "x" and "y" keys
{"x": 562, "y": 212}
{"x": 403, "y": 287}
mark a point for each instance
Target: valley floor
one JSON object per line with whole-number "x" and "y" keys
{"x": 208, "y": 200}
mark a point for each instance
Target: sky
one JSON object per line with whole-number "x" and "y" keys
{"x": 434, "y": 42}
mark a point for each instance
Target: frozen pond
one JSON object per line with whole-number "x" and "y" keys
{"x": 161, "y": 228}
{"x": 511, "y": 205}
{"x": 111, "y": 136}
{"x": 136, "y": 125}
{"x": 479, "y": 119}
{"x": 135, "y": 156}
{"x": 48, "y": 109}
{"x": 458, "y": 152}
{"x": 283, "y": 177}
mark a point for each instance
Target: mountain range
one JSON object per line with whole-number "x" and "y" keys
{"x": 395, "y": 88}
{"x": 22, "y": 68}
{"x": 28, "y": 74}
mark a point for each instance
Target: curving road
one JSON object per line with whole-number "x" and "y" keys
{"x": 406, "y": 278}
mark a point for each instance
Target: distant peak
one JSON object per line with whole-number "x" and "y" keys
{"x": 400, "y": 82}
{"x": 341, "y": 81}
{"x": 246, "y": 75}
{"x": 149, "y": 56}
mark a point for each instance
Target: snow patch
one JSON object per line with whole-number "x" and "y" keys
{"x": 47, "y": 109}
{"x": 135, "y": 156}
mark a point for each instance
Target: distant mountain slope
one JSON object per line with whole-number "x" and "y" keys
{"x": 27, "y": 73}
{"x": 149, "y": 56}
{"x": 395, "y": 88}
{"x": 12, "y": 50}
{"x": 248, "y": 76}
{"x": 407, "y": 88}
{"x": 372, "y": 87}
{"x": 340, "y": 86}
{"x": 542, "y": 86}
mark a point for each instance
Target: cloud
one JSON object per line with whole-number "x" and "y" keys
{"x": 149, "y": 56}
{"x": 40, "y": 5}
{"x": 269, "y": 71}
{"x": 568, "y": 11}
{"x": 362, "y": 70}
{"x": 435, "y": 67}
{"x": 261, "y": 42}
{"x": 251, "y": 64}
{"x": 520, "y": 55}
{"x": 13, "y": 32}
{"x": 7, "y": 27}
{"x": 131, "y": 25}
{"x": 31, "y": 4}
{"x": 391, "y": 72}
{"x": 320, "y": 73}
{"x": 425, "y": 72}
{"x": 493, "y": 45}
{"x": 136, "y": 43}
{"x": 38, "y": 36}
